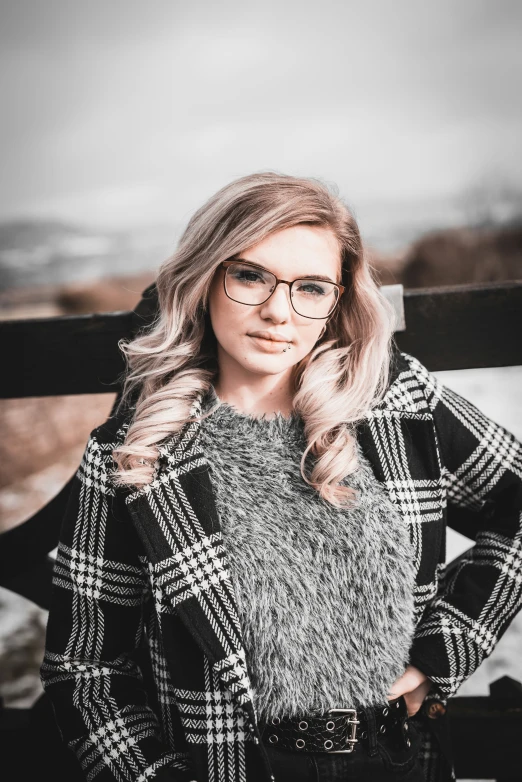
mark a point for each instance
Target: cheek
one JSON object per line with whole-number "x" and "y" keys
{"x": 309, "y": 334}
{"x": 216, "y": 305}
{"x": 224, "y": 317}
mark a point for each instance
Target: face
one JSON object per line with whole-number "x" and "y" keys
{"x": 252, "y": 338}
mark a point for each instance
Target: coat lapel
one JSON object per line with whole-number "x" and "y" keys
{"x": 398, "y": 438}
{"x": 177, "y": 520}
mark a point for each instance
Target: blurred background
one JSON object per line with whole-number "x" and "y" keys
{"x": 120, "y": 118}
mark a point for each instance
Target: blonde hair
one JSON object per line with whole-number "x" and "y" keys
{"x": 336, "y": 384}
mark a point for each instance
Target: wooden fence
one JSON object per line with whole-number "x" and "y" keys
{"x": 445, "y": 328}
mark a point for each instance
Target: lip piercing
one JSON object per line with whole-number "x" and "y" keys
{"x": 288, "y": 348}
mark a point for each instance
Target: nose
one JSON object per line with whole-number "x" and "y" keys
{"x": 278, "y": 307}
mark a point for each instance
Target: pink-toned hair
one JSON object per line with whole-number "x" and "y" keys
{"x": 174, "y": 362}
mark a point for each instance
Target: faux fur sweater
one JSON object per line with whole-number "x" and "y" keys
{"x": 325, "y": 595}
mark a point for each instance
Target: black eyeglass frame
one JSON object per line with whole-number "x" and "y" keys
{"x": 226, "y": 264}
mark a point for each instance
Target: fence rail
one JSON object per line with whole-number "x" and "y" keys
{"x": 446, "y": 328}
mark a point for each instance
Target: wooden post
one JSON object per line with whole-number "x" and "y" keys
{"x": 508, "y": 692}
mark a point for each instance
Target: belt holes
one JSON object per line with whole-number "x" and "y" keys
{"x": 273, "y": 739}
{"x": 363, "y": 734}
{"x": 328, "y": 744}
{"x": 382, "y": 729}
{"x": 303, "y": 725}
{"x": 385, "y": 711}
{"x": 330, "y": 725}
{"x": 300, "y": 743}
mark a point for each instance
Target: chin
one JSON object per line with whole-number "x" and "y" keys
{"x": 271, "y": 366}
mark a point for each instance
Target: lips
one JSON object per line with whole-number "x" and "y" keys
{"x": 271, "y": 336}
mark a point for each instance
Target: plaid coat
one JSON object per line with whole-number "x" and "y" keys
{"x": 148, "y": 567}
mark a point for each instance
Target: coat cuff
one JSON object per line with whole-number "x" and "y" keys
{"x": 429, "y": 656}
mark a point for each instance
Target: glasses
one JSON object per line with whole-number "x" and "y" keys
{"x": 248, "y": 283}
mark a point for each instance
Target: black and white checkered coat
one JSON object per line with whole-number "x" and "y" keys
{"x": 149, "y": 567}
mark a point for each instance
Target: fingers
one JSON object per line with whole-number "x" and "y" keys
{"x": 410, "y": 680}
{"x": 415, "y": 698}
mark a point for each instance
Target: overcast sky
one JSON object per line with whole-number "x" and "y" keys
{"x": 121, "y": 112}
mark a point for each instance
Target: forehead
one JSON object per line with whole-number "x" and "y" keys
{"x": 301, "y": 249}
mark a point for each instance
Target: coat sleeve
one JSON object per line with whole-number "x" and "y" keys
{"x": 481, "y": 464}
{"x": 99, "y": 599}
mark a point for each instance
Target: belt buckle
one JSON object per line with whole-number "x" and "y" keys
{"x": 352, "y": 721}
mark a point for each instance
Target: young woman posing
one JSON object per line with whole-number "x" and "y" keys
{"x": 265, "y": 512}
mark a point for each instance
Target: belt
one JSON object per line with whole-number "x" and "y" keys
{"x": 337, "y": 730}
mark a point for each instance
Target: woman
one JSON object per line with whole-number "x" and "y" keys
{"x": 265, "y": 512}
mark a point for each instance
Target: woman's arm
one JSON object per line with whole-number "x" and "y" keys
{"x": 482, "y": 470}
{"x": 100, "y": 591}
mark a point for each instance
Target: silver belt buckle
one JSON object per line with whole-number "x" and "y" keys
{"x": 352, "y": 721}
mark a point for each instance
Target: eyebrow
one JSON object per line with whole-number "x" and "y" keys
{"x": 322, "y": 277}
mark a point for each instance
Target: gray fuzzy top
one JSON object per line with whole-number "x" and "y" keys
{"x": 325, "y": 595}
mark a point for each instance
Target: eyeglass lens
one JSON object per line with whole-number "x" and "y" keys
{"x": 310, "y": 298}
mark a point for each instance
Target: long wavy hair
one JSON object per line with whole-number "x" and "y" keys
{"x": 174, "y": 362}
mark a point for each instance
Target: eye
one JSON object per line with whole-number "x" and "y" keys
{"x": 248, "y": 275}
{"x": 311, "y": 288}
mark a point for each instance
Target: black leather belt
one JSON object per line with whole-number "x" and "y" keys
{"x": 338, "y": 730}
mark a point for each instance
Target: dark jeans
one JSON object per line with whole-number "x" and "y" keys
{"x": 389, "y": 760}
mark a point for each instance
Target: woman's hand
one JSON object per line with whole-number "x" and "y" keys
{"x": 414, "y": 685}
